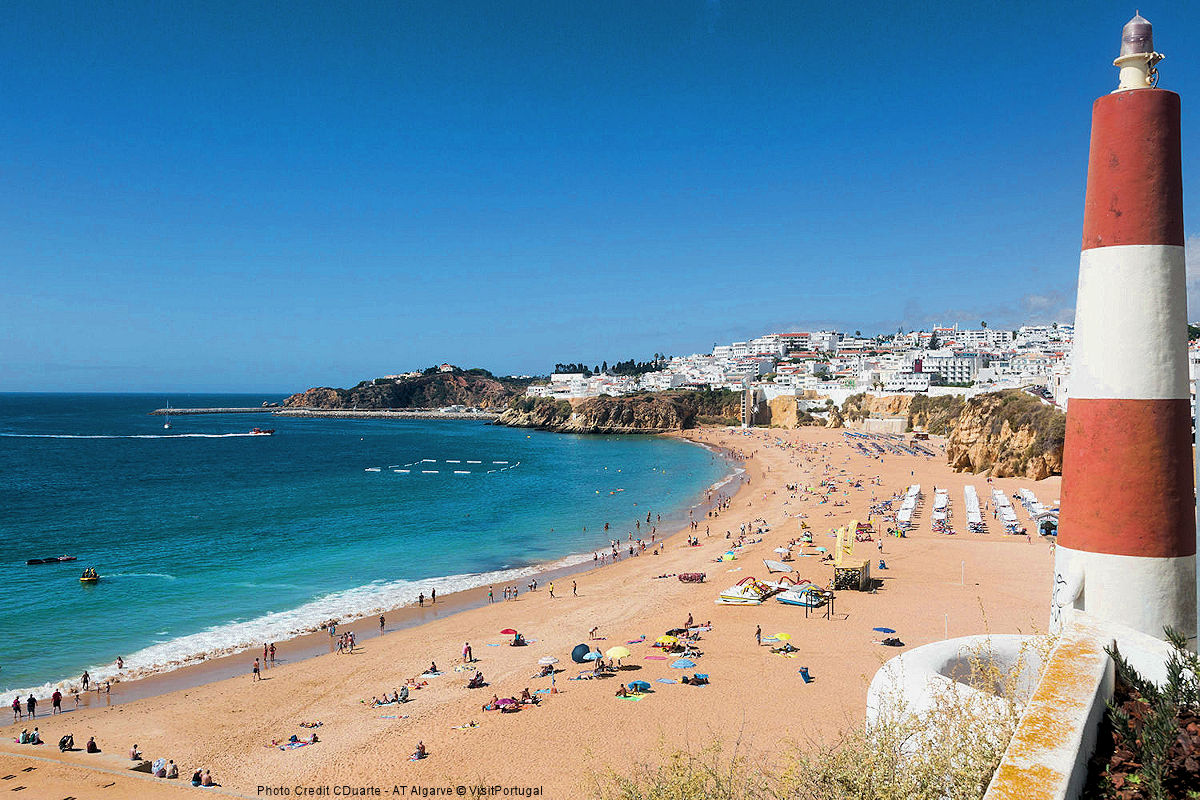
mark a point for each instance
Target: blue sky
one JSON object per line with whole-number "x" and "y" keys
{"x": 264, "y": 197}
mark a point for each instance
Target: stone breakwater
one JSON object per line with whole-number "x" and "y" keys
{"x": 185, "y": 411}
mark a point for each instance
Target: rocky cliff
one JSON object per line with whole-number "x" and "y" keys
{"x": 649, "y": 413}
{"x": 477, "y": 388}
{"x": 1008, "y": 434}
{"x": 935, "y": 415}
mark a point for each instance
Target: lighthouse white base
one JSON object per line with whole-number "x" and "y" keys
{"x": 1145, "y": 594}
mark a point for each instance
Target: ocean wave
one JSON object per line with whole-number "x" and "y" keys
{"x": 162, "y": 575}
{"x": 239, "y": 636}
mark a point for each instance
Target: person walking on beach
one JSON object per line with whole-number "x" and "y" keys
{"x": 381, "y": 624}
{"x": 421, "y": 599}
{"x": 574, "y": 593}
{"x": 31, "y": 707}
{"x": 56, "y": 703}
{"x": 272, "y": 654}
{"x": 552, "y": 588}
{"x": 85, "y": 679}
{"x": 433, "y": 595}
{"x": 257, "y": 676}
{"x": 16, "y": 707}
{"x": 758, "y": 635}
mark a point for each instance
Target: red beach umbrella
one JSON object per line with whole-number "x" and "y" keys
{"x": 508, "y": 631}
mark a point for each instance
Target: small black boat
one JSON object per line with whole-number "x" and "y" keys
{"x": 55, "y": 560}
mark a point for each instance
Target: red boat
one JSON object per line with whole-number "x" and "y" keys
{"x": 261, "y": 432}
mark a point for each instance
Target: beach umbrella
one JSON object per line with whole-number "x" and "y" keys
{"x": 592, "y": 656}
{"x": 620, "y": 651}
{"x": 579, "y": 653}
{"x": 783, "y": 637}
{"x": 639, "y": 686}
{"x": 666, "y": 640}
{"x": 884, "y": 630}
{"x": 783, "y": 551}
{"x": 682, "y": 663}
{"x": 508, "y": 631}
{"x": 547, "y": 660}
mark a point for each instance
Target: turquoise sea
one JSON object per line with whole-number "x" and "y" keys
{"x": 210, "y": 540}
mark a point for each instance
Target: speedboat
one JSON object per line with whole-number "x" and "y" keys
{"x": 746, "y": 592}
{"x": 55, "y": 560}
{"x": 261, "y": 432}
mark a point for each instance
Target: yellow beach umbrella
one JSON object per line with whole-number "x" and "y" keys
{"x": 666, "y": 640}
{"x": 617, "y": 652}
{"x": 783, "y": 637}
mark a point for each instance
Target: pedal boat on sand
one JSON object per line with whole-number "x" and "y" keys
{"x": 805, "y": 595}
{"x": 747, "y": 592}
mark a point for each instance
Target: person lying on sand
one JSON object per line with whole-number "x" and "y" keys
{"x": 493, "y": 705}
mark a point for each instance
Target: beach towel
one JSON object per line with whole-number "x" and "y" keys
{"x": 656, "y": 658}
{"x": 636, "y": 641}
{"x": 633, "y": 698}
{"x": 492, "y": 645}
{"x": 541, "y": 691}
{"x": 468, "y": 726}
{"x": 293, "y": 745}
{"x": 316, "y": 724}
{"x": 666, "y": 680}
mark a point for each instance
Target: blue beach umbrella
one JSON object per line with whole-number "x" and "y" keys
{"x": 639, "y": 686}
{"x": 682, "y": 663}
{"x": 883, "y": 630}
{"x": 579, "y": 654}
{"x": 592, "y": 656}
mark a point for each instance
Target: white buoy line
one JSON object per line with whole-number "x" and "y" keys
{"x": 425, "y": 467}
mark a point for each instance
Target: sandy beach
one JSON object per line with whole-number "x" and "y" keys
{"x": 934, "y": 585}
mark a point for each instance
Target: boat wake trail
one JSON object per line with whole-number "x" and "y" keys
{"x": 129, "y": 436}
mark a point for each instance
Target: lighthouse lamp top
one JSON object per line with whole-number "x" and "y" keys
{"x": 1138, "y": 59}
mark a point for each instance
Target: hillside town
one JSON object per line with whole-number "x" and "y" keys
{"x": 944, "y": 360}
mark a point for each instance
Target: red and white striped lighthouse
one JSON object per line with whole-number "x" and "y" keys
{"x": 1127, "y": 528}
